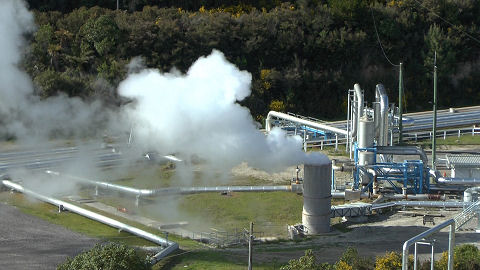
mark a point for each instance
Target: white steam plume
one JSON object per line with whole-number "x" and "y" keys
{"x": 21, "y": 112}
{"x": 197, "y": 114}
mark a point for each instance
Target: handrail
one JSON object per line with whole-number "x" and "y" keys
{"x": 421, "y": 236}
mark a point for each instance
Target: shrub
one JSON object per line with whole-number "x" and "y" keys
{"x": 111, "y": 256}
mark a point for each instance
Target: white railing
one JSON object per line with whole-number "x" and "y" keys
{"x": 408, "y": 136}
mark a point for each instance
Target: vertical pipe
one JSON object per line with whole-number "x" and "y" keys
{"x": 415, "y": 257}
{"x": 432, "y": 261}
{"x": 434, "y": 131}
{"x": 451, "y": 245}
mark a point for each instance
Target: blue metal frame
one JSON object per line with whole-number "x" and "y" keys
{"x": 409, "y": 174}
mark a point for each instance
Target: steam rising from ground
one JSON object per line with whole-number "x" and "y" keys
{"x": 22, "y": 113}
{"x": 192, "y": 115}
{"x": 197, "y": 115}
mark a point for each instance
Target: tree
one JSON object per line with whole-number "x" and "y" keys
{"x": 111, "y": 256}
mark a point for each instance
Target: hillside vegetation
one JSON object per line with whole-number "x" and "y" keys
{"x": 303, "y": 55}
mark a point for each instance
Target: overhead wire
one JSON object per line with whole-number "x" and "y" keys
{"x": 448, "y": 22}
{"x": 379, "y": 42}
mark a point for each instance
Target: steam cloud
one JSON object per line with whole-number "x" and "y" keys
{"x": 22, "y": 113}
{"x": 197, "y": 114}
{"x": 193, "y": 115}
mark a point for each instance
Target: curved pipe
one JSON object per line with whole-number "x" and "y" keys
{"x": 382, "y": 98}
{"x": 305, "y": 122}
{"x": 168, "y": 245}
{"x": 358, "y": 114}
{"x": 404, "y": 150}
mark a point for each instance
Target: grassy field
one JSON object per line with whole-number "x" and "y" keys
{"x": 453, "y": 140}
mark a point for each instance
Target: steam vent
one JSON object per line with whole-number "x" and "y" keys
{"x": 317, "y": 197}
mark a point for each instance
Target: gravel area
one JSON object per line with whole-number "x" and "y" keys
{"x": 27, "y": 242}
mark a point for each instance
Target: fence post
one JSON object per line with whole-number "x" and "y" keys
{"x": 321, "y": 145}
{"x": 336, "y": 142}
{"x": 459, "y": 133}
{"x": 416, "y": 137}
{"x": 444, "y": 135}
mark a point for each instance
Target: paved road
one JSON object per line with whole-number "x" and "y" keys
{"x": 27, "y": 242}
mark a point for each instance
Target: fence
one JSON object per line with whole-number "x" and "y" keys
{"x": 219, "y": 238}
{"x": 407, "y": 136}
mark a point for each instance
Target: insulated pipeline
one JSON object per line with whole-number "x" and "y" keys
{"x": 168, "y": 245}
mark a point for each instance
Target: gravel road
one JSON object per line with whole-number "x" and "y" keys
{"x": 27, "y": 242}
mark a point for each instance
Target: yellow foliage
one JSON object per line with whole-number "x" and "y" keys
{"x": 277, "y": 105}
{"x": 341, "y": 265}
{"x": 264, "y": 73}
{"x": 390, "y": 261}
{"x": 442, "y": 264}
{"x": 202, "y": 9}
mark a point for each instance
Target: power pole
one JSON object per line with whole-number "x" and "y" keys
{"x": 118, "y": 6}
{"x": 434, "y": 131}
{"x": 250, "y": 245}
{"x": 400, "y": 105}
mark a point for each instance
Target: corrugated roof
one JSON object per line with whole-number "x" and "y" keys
{"x": 463, "y": 160}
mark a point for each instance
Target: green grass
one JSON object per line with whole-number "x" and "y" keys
{"x": 70, "y": 220}
{"x": 211, "y": 259}
{"x": 270, "y": 211}
{"x": 84, "y": 225}
{"x": 452, "y": 140}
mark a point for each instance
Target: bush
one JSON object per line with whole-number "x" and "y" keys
{"x": 111, "y": 256}
{"x": 391, "y": 260}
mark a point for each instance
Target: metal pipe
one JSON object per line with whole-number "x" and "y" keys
{"x": 341, "y": 195}
{"x": 431, "y": 204}
{"x": 459, "y": 181}
{"x": 403, "y": 150}
{"x": 168, "y": 245}
{"x": 176, "y": 190}
{"x": 413, "y": 240}
{"x": 302, "y": 122}
{"x": 359, "y": 109}
{"x": 436, "y": 175}
{"x": 381, "y": 96}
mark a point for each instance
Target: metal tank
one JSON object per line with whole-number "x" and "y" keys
{"x": 317, "y": 197}
{"x": 366, "y": 134}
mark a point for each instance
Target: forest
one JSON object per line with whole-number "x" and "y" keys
{"x": 303, "y": 55}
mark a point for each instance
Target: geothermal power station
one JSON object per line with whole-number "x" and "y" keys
{"x": 392, "y": 176}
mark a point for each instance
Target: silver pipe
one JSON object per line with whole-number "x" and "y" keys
{"x": 459, "y": 181}
{"x": 432, "y": 204}
{"x": 414, "y": 196}
{"x": 169, "y": 245}
{"x": 176, "y": 190}
{"x": 411, "y": 241}
{"x": 404, "y": 150}
{"x": 359, "y": 110}
{"x": 453, "y": 180}
{"x": 341, "y": 195}
{"x": 301, "y": 121}
{"x": 381, "y": 96}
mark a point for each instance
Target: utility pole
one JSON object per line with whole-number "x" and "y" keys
{"x": 118, "y": 6}
{"x": 250, "y": 245}
{"x": 400, "y": 105}
{"x": 434, "y": 131}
